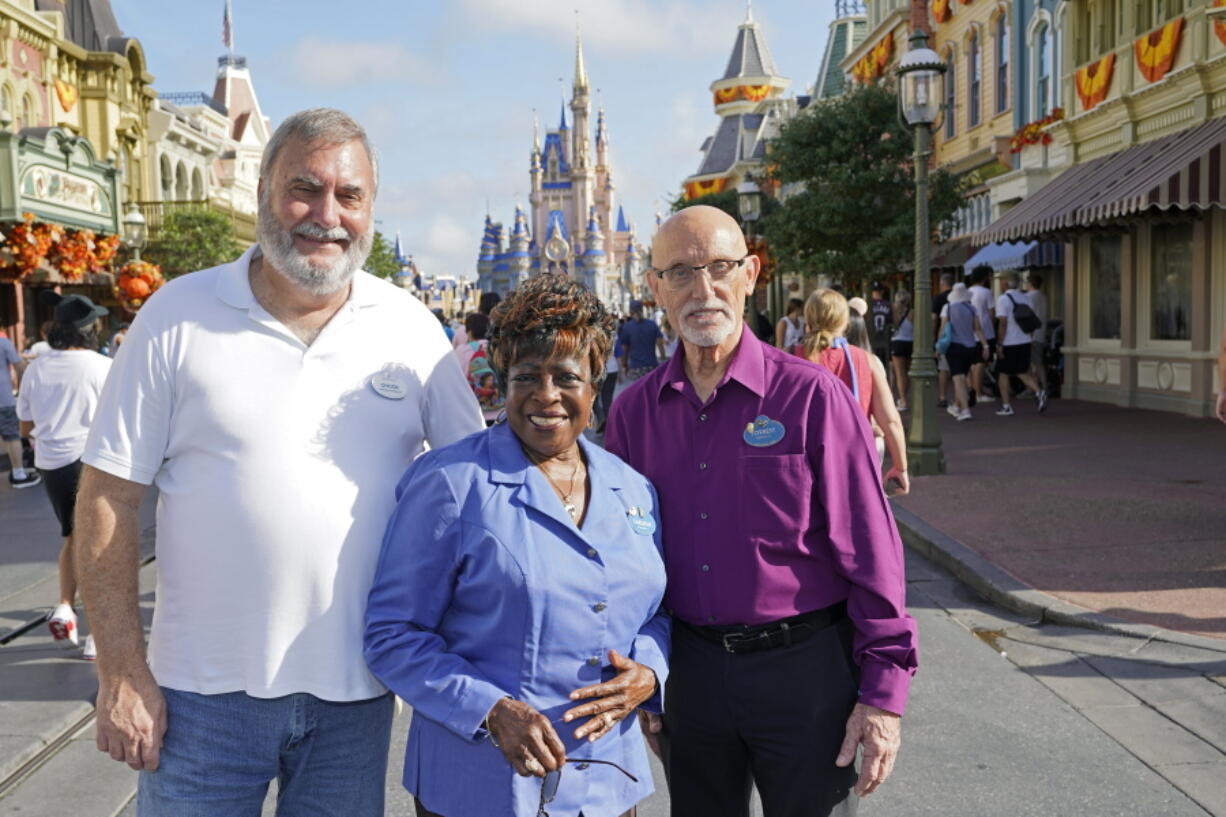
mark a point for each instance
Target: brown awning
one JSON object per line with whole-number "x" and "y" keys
{"x": 1183, "y": 171}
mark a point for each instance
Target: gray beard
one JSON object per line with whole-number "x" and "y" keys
{"x": 279, "y": 251}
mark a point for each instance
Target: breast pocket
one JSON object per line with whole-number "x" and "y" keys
{"x": 776, "y": 493}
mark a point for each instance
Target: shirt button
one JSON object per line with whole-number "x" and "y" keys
{"x": 702, "y": 466}
{"x": 591, "y": 553}
{"x": 706, "y": 568}
{"x": 702, "y": 417}
{"x": 599, "y": 606}
{"x": 702, "y": 515}
{"x": 593, "y": 661}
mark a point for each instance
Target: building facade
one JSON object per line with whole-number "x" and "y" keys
{"x": 573, "y": 224}
{"x": 1130, "y": 179}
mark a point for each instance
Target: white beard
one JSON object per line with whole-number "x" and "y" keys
{"x": 318, "y": 279}
{"x": 711, "y": 334}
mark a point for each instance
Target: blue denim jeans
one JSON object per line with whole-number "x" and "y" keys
{"x": 221, "y": 752}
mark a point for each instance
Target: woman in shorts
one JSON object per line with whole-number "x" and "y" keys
{"x": 967, "y": 348}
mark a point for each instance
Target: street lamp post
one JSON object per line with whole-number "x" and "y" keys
{"x": 920, "y": 74}
{"x": 749, "y": 202}
{"x": 134, "y": 230}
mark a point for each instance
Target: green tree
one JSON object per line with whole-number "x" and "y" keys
{"x": 846, "y": 166}
{"x": 193, "y": 238}
{"x": 382, "y": 259}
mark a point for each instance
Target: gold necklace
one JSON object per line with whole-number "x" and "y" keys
{"x": 567, "y": 505}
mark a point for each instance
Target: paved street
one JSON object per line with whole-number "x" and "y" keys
{"x": 1067, "y": 721}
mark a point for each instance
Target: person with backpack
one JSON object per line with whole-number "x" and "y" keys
{"x": 1016, "y": 322}
{"x": 967, "y": 346}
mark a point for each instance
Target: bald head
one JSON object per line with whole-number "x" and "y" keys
{"x": 695, "y": 236}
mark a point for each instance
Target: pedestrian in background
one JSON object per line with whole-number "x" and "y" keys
{"x": 790, "y": 330}
{"x": 474, "y": 359}
{"x": 791, "y": 645}
{"x": 272, "y": 400}
{"x": 827, "y": 316}
{"x": 981, "y": 300}
{"x": 901, "y": 346}
{"x": 938, "y": 304}
{"x": 880, "y": 322}
{"x": 10, "y": 426}
{"x": 516, "y": 604}
{"x": 967, "y": 346}
{"x": 1014, "y": 352}
{"x": 641, "y": 343}
{"x": 59, "y": 395}
{"x": 1032, "y": 288}
{"x": 41, "y": 346}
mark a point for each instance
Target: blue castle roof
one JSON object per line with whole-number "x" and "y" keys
{"x": 622, "y": 225}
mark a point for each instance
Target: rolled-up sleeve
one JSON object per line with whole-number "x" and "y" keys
{"x": 866, "y": 549}
{"x": 412, "y": 591}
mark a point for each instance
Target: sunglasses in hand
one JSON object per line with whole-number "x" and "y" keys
{"x": 549, "y": 785}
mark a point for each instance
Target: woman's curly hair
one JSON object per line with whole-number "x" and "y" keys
{"x": 550, "y": 315}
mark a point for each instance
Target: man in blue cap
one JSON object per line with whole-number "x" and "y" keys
{"x": 641, "y": 344}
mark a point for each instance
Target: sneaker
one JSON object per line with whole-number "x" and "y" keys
{"x": 986, "y": 398}
{"x": 1005, "y": 411}
{"x": 963, "y": 415}
{"x": 63, "y": 626}
{"x": 1042, "y": 401}
{"x": 31, "y": 479}
{"x": 89, "y": 652}
{"x": 952, "y": 411}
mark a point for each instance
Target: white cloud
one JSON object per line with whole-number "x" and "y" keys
{"x": 337, "y": 63}
{"x": 632, "y": 26}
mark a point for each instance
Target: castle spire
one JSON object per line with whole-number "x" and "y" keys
{"x": 580, "y": 70}
{"x": 536, "y": 132}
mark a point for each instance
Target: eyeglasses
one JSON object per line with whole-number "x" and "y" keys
{"x": 682, "y": 275}
{"x": 549, "y": 786}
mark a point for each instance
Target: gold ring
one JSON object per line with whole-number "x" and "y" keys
{"x": 532, "y": 765}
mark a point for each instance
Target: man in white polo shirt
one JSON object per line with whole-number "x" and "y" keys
{"x": 275, "y": 402}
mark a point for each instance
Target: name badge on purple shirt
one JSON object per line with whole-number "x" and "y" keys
{"x": 641, "y": 522}
{"x": 763, "y": 432}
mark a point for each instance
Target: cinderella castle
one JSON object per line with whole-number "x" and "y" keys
{"x": 573, "y": 224}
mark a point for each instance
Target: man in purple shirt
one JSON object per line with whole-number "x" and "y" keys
{"x": 785, "y": 572}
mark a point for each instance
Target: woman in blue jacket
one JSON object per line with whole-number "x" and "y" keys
{"x": 516, "y": 604}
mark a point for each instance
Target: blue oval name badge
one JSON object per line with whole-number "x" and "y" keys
{"x": 763, "y": 431}
{"x": 642, "y": 522}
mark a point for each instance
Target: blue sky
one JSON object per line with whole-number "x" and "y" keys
{"x": 447, "y": 89}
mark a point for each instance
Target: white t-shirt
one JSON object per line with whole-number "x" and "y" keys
{"x": 276, "y": 465}
{"x": 37, "y": 350}
{"x": 1014, "y": 336}
{"x": 59, "y": 394}
{"x": 1038, "y": 302}
{"x": 981, "y": 299}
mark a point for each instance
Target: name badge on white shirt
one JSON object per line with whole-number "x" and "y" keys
{"x": 389, "y": 386}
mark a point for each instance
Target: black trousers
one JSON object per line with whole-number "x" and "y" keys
{"x": 775, "y": 718}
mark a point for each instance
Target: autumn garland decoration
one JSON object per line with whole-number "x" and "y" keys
{"x": 27, "y": 243}
{"x": 136, "y": 281}
{"x": 73, "y": 253}
{"x": 1035, "y": 133}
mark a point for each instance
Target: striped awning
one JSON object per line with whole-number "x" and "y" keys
{"x": 1183, "y": 171}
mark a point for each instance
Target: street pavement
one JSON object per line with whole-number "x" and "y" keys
{"x": 1013, "y": 711}
{"x": 1120, "y": 511}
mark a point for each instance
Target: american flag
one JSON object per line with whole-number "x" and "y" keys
{"x": 227, "y": 29}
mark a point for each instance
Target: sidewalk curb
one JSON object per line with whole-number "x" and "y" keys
{"x": 1004, "y": 589}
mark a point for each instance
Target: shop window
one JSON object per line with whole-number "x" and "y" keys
{"x": 1002, "y": 63}
{"x": 1042, "y": 73}
{"x": 1105, "y": 254}
{"x": 1170, "y": 282}
{"x": 27, "y": 113}
{"x": 973, "y": 78}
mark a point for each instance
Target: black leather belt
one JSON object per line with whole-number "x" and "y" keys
{"x": 782, "y": 633}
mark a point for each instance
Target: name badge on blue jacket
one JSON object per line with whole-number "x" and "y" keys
{"x": 641, "y": 521}
{"x": 763, "y": 432}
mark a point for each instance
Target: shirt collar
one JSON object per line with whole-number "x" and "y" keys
{"x": 234, "y": 284}
{"x": 747, "y": 367}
